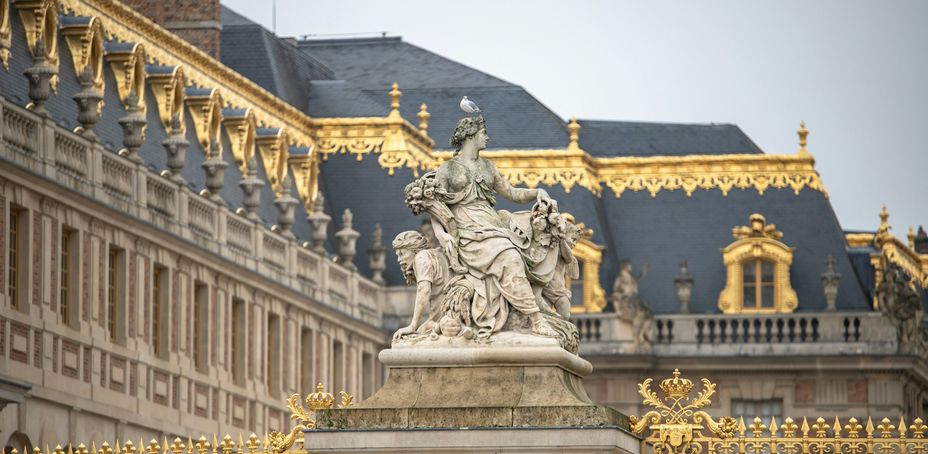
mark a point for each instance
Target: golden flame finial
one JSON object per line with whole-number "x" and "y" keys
{"x": 424, "y": 116}
{"x": 395, "y": 94}
{"x": 574, "y": 129}
{"x": 911, "y": 235}
{"x": 803, "y": 134}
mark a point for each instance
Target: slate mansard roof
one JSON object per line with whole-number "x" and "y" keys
{"x": 351, "y": 77}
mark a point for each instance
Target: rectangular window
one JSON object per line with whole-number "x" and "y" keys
{"x": 306, "y": 361}
{"x": 114, "y": 293}
{"x": 272, "y": 358}
{"x": 200, "y": 311}
{"x": 763, "y": 409}
{"x": 758, "y": 284}
{"x": 15, "y": 271}
{"x": 159, "y": 285}
{"x": 238, "y": 341}
{"x": 68, "y": 274}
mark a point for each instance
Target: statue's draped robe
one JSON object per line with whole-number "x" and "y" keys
{"x": 496, "y": 247}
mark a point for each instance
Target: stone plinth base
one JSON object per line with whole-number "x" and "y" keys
{"x": 521, "y": 394}
{"x": 525, "y": 440}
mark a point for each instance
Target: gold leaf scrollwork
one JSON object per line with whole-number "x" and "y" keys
{"x": 676, "y": 422}
{"x": 305, "y": 416}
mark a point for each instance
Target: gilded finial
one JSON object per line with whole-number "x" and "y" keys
{"x": 803, "y": 134}
{"x": 911, "y": 236}
{"x": 424, "y": 116}
{"x": 574, "y": 130}
{"x": 395, "y": 94}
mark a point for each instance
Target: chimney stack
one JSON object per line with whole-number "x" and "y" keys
{"x": 196, "y": 21}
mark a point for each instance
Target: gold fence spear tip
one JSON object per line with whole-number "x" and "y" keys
{"x": 869, "y": 427}
{"x": 773, "y": 426}
{"x": 902, "y": 426}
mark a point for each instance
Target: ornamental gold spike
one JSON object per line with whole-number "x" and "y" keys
{"x": 424, "y": 116}
{"x": 574, "y": 129}
{"x": 803, "y": 134}
{"x": 395, "y": 94}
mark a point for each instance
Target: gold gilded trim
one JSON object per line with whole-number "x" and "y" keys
{"x": 127, "y": 60}
{"x": 84, "y": 37}
{"x": 914, "y": 265}
{"x": 40, "y": 21}
{"x": 167, "y": 84}
{"x": 240, "y": 127}
{"x": 6, "y": 35}
{"x": 757, "y": 241}
{"x": 594, "y": 297}
{"x": 859, "y": 239}
{"x": 205, "y": 105}
{"x": 274, "y": 153}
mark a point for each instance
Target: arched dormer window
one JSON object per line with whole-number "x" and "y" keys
{"x": 757, "y": 265}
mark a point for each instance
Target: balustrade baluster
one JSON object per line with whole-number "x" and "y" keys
{"x": 802, "y": 330}
{"x": 768, "y": 330}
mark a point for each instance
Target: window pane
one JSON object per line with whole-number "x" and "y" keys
{"x": 767, "y": 271}
{"x": 748, "y": 268}
{"x": 766, "y": 295}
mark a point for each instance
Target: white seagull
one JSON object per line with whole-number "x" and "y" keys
{"x": 469, "y": 106}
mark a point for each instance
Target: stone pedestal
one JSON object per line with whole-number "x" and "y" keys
{"x": 520, "y": 393}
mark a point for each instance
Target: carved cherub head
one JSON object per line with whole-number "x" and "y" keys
{"x": 407, "y": 244}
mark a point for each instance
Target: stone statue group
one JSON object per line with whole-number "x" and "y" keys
{"x": 491, "y": 271}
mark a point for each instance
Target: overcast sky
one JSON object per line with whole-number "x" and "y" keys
{"x": 855, "y": 71}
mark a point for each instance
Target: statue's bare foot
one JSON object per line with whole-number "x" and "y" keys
{"x": 541, "y": 327}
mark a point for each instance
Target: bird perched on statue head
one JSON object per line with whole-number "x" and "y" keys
{"x": 469, "y": 106}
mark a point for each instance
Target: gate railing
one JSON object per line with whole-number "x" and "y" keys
{"x": 677, "y": 424}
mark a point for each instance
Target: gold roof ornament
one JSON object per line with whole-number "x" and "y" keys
{"x": 756, "y": 243}
{"x": 910, "y": 235}
{"x": 395, "y": 94}
{"x": 757, "y": 228}
{"x": 803, "y": 134}
{"x": 573, "y": 129}
{"x": 424, "y": 116}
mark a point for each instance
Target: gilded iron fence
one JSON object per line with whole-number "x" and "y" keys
{"x": 678, "y": 424}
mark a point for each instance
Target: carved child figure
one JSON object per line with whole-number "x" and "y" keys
{"x": 427, "y": 269}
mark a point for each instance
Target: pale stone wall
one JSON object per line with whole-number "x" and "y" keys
{"x": 85, "y": 386}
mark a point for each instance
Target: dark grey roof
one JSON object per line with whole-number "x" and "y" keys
{"x": 273, "y": 63}
{"x": 665, "y": 229}
{"x": 515, "y": 119}
{"x": 339, "y": 98}
{"x": 374, "y": 63}
{"x": 625, "y": 138}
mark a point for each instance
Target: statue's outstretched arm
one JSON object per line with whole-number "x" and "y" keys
{"x": 518, "y": 195}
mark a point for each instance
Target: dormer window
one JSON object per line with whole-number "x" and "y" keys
{"x": 757, "y": 264}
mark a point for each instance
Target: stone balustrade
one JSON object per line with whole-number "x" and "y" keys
{"x": 717, "y": 334}
{"x": 86, "y": 167}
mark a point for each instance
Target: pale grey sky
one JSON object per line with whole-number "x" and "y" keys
{"x": 855, "y": 71}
